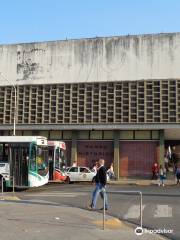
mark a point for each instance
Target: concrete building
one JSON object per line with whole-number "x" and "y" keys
{"x": 113, "y": 97}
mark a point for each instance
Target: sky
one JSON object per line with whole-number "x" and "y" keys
{"x": 47, "y": 20}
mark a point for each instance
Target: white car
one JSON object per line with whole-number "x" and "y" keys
{"x": 79, "y": 174}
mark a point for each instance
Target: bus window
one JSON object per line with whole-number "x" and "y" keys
{"x": 57, "y": 162}
{"x": 33, "y": 158}
{"x": 4, "y": 149}
{"x": 6, "y": 152}
{"x": 42, "y": 160}
{"x": 1, "y": 152}
{"x": 62, "y": 156}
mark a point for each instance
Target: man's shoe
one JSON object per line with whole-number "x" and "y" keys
{"x": 90, "y": 207}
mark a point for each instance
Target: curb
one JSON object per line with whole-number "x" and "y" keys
{"x": 140, "y": 183}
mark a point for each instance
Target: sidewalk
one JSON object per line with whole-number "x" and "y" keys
{"x": 142, "y": 182}
{"x": 41, "y": 220}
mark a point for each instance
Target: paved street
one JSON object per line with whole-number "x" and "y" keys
{"x": 42, "y": 220}
{"x": 160, "y": 205}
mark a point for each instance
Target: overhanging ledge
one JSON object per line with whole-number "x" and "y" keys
{"x": 91, "y": 126}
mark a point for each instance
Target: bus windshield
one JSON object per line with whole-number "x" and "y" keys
{"x": 42, "y": 160}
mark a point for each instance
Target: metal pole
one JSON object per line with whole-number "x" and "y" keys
{"x": 141, "y": 209}
{"x": 104, "y": 212}
{"x": 2, "y": 193}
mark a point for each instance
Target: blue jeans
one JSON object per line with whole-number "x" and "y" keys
{"x": 99, "y": 189}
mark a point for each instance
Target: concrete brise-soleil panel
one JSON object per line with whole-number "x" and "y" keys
{"x": 121, "y": 58}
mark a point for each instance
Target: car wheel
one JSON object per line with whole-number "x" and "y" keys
{"x": 68, "y": 180}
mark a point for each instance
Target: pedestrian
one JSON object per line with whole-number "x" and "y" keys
{"x": 74, "y": 164}
{"x": 166, "y": 162}
{"x": 155, "y": 171}
{"x": 178, "y": 175}
{"x": 100, "y": 186}
{"x": 162, "y": 175}
{"x": 95, "y": 167}
{"x": 110, "y": 172}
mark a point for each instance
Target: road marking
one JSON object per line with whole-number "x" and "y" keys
{"x": 163, "y": 211}
{"x": 58, "y": 194}
{"x": 133, "y": 212}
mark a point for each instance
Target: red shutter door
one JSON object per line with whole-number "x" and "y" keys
{"x": 137, "y": 157}
{"x": 90, "y": 151}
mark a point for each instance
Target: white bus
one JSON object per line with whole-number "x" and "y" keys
{"x": 56, "y": 152}
{"x": 24, "y": 158}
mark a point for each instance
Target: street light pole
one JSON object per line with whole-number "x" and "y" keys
{"x": 15, "y": 100}
{"x": 15, "y": 103}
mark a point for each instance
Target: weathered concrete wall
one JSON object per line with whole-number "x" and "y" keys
{"x": 89, "y": 60}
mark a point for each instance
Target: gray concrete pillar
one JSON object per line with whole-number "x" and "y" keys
{"x": 161, "y": 147}
{"x": 116, "y": 154}
{"x": 74, "y": 147}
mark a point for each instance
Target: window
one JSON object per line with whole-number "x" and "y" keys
{"x": 84, "y": 170}
{"x": 33, "y": 158}
{"x": 73, "y": 169}
{"x": 42, "y": 160}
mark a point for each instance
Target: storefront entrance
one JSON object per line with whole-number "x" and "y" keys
{"x": 137, "y": 157}
{"x": 90, "y": 151}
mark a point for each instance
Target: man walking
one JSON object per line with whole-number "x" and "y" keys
{"x": 100, "y": 188}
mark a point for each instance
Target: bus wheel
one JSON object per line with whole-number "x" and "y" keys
{"x": 4, "y": 185}
{"x": 68, "y": 180}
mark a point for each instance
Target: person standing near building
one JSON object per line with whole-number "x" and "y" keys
{"x": 177, "y": 173}
{"x": 162, "y": 175}
{"x": 110, "y": 172}
{"x": 100, "y": 186}
{"x": 155, "y": 171}
{"x": 74, "y": 164}
{"x": 95, "y": 167}
{"x": 166, "y": 163}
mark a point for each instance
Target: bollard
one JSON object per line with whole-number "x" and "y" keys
{"x": 104, "y": 210}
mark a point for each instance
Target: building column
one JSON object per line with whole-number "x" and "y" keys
{"x": 74, "y": 147}
{"x": 161, "y": 147}
{"x": 116, "y": 154}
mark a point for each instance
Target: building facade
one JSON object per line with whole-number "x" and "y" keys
{"x": 117, "y": 97}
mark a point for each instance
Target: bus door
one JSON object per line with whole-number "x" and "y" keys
{"x": 51, "y": 161}
{"x": 57, "y": 159}
{"x": 19, "y": 164}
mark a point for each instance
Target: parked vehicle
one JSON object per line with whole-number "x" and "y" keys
{"x": 56, "y": 152}
{"x": 24, "y": 159}
{"x": 59, "y": 175}
{"x": 80, "y": 174}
